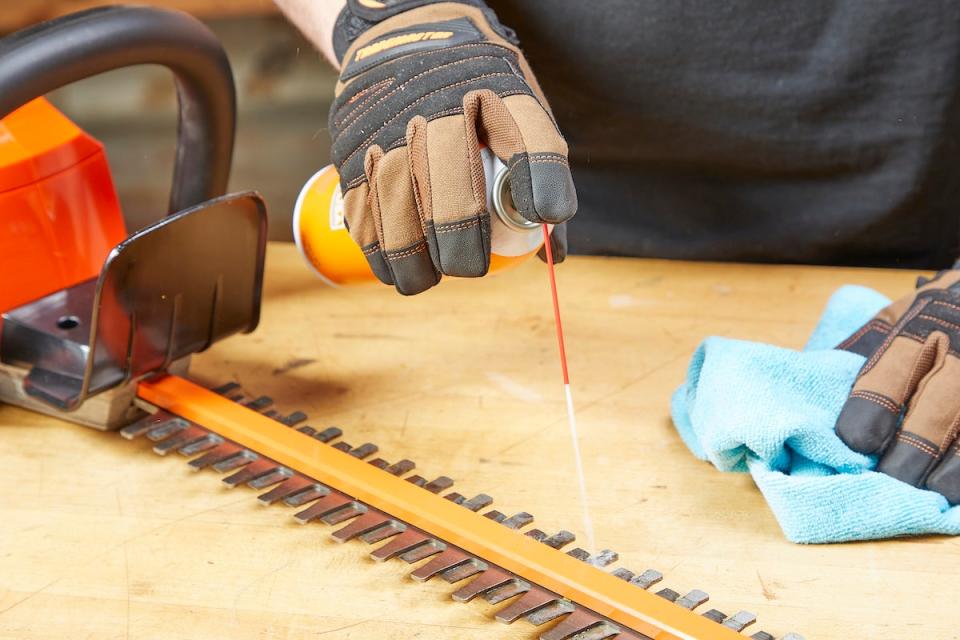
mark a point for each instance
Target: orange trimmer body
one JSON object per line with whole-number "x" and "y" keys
{"x": 59, "y": 212}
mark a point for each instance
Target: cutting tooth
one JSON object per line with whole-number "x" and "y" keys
{"x": 455, "y": 497}
{"x": 260, "y": 403}
{"x": 580, "y": 554}
{"x": 518, "y": 520}
{"x": 308, "y": 430}
{"x": 272, "y": 413}
{"x": 327, "y": 504}
{"x": 715, "y": 615}
{"x": 236, "y": 397}
{"x": 203, "y": 444}
{"x": 343, "y": 446}
{"x": 272, "y": 477}
{"x": 364, "y": 524}
{"x": 166, "y": 429}
{"x": 226, "y": 388}
{"x": 146, "y": 423}
{"x": 365, "y": 450}
{"x": 294, "y": 418}
{"x": 304, "y": 496}
{"x": 406, "y": 541}
{"x": 401, "y": 468}
{"x": 489, "y": 579}
{"x": 417, "y": 480}
{"x": 432, "y": 548}
{"x": 604, "y": 558}
{"x": 763, "y": 635}
{"x": 647, "y": 579}
{"x": 668, "y": 594}
{"x": 252, "y": 470}
{"x": 343, "y": 514}
{"x": 477, "y": 502}
{"x": 550, "y": 612}
{"x": 392, "y": 528}
{"x": 740, "y": 620}
{"x": 174, "y": 442}
{"x": 582, "y": 625}
{"x": 219, "y": 453}
{"x": 536, "y": 534}
{"x": 329, "y": 434}
{"x": 560, "y": 539}
{"x": 235, "y": 461}
{"x": 531, "y": 601}
{"x": 449, "y": 559}
{"x": 623, "y": 574}
{"x": 464, "y": 571}
{"x": 379, "y": 463}
{"x": 289, "y": 487}
{"x": 693, "y": 599}
{"x": 442, "y": 483}
{"x": 506, "y": 591}
{"x": 495, "y": 515}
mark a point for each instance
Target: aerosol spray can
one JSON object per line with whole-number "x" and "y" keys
{"x": 325, "y": 243}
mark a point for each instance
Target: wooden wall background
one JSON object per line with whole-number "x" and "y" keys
{"x": 284, "y": 91}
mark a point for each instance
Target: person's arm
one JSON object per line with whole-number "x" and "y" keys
{"x": 315, "y": 19}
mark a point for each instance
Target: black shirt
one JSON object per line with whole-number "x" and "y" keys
{"x": 821, "y": 131}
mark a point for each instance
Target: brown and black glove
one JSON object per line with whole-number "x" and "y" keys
{"x": 422, "y": 85}
{"x": 905, "y": 403}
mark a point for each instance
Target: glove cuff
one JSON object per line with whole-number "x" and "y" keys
{"x": 359, "y": 15}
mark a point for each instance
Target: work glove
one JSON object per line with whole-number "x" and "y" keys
{"x": 422, "y": 85}
{"x": 905, "y": 403}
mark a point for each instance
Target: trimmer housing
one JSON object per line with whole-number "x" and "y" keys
{"x": 86, "y": 309}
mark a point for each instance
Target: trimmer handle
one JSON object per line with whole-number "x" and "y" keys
{"x": 39, "y": 59}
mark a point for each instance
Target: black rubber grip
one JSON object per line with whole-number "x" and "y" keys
{"x": 47, "y": 56}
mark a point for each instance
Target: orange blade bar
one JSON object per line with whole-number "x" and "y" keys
{"x": 582, "y": 583}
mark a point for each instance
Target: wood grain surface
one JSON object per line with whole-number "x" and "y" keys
{"x": 100, "y": 538}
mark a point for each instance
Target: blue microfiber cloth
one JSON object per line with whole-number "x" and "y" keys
{"x": 754, "y": 407}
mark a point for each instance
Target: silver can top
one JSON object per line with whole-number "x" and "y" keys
{"x": 503, "y": 202}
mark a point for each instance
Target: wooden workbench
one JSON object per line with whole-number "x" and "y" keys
{"x": 99, "y": 538}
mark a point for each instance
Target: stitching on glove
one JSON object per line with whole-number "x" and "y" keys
{"x": 951, "y": 433}
{"x": 548, "y": 154}
{"x": 947, "y": 304}
{"x": 941, "y": 321}
{"x": 350, "y": 106}
{"x": 553, "y": 161}
{"x": 399, "y": 87}
{"x": 403, "y": 253}
{"x": 879, "y": 325}
{"x": 356, "y": 182}
{"x": 906, "y": 438}
{"x": 370, "y": 249}
{"x": 876, "y": 398}
{"x": 456, "y": 226}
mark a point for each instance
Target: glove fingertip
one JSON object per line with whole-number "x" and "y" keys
{"x": 554, "y": 195}
{"x": 378, "y": 264}
{"x": 866, "y": 425}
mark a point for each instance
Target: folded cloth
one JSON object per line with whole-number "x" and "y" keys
{"x": 754, "y": 407}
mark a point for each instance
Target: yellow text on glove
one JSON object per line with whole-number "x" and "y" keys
{"x": 396, "y": 41}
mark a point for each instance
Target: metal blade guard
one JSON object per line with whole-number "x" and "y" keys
{"x": 168, "y": 291}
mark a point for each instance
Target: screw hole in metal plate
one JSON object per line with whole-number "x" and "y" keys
{"x": 68, "y": 322}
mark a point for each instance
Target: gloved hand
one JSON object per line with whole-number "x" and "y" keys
{"x": 422, "y": 84}
{"x": 905, "y": 403}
